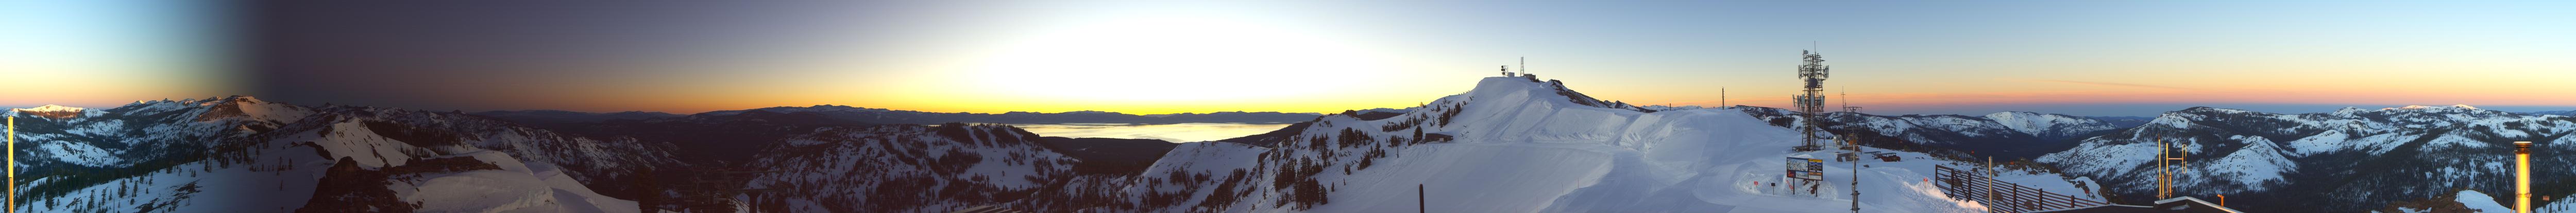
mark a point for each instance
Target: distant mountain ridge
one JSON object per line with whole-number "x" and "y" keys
{"x": 2010, "y": 135}
{"x": 2557, "y": 113}
{"x": 242, "y": 154}
{"x": 889, "y": 116}
{"x": 2360, "y": 158}
{"x": 1536, "y": 144}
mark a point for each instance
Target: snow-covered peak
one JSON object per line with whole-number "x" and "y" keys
{"x": 2047, "y": 125}
{"x": 2347, "y": 111}
{"x": 1552, "y": 92}
{"x": 50, "y": 108}
{"x": 1672, "y": 108}
{"x": 240, "y": 106}
{"x": 49, "y": 111}
{"x": 1389, "y": 110}
{"x": 2422, "y": 107}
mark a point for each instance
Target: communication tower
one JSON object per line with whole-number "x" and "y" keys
{"x": 1812, "y": 103}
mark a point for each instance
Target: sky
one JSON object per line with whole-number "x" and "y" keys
{"x": 109, "y": 53}
{"x": 1149, "y": 57}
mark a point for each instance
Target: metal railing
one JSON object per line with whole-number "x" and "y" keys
{"x": 2000, "y": 196}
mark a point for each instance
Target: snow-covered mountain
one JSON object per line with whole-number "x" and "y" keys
{"x": 839, "y": 113}
{"x": 2010, "y": 135}
{"x": 1512, "y": 144}
{"x": 1672, "y": 108}
{"x": 2360, "y": 158}
{"x": 562, "y": 119}
{"x": 2123, "y": 122}
{"x": 49, "y": 111}
{"x": 241, "y": 154}
{"x": 906, "y": 168}
{"x": 2557, "y": 113}
{"x": 2048, "y": 126}
{"x": 1509, "y": 145}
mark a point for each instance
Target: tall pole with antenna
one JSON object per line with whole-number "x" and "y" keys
{"x": 1855, "y": 168}
{"x": 1813, "y": 71}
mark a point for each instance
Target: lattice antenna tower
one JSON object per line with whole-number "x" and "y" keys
{"x": 1813, "y": 71}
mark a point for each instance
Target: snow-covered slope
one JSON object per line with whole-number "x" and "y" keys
{"x": 2048, "y": 125}
{"x": 240, "y": 154}
{"x": 144, "y": 131}
{"x": 2557, "y": 113}
{"x": 2362, "y": 159}
{"x": 2010, "y": 135}
{"x": 50, "y": 111}
{"x": 906, "y": 168}
{"x": 1518, "y": 145}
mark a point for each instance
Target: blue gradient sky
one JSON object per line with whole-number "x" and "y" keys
{"x": 2082, "y": 58}
{"x": 110, "y": 52}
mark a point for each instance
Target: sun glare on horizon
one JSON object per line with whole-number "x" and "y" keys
{"x": 1172, "y": 59}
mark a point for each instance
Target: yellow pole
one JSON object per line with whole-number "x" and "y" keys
{"x": 2522, "y": 177}
{"x": 13, "y": 164}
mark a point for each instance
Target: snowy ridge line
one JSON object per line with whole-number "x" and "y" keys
{"x": 242, "y": 154}
{"x": 2373, "y": 157}
{"x": 1514, "y": 145}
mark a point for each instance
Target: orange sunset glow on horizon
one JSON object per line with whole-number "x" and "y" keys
{"x": 1154, "y": 58}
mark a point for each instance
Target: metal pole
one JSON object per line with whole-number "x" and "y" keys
{"x": 1421, "y": 200}
{"x": 13, "y": 164}
{"x": 2522, "y": 177}
{"x": 2161, "y": 172}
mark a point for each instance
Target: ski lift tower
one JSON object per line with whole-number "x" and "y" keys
{"x": 1812, "y": 103}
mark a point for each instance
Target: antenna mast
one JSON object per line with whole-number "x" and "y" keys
{"x": 1813, "y": 71}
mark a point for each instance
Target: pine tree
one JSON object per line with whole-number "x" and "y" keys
{"x": 1417, "y": 136}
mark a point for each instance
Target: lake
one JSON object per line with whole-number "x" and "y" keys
{"x": 1176, "y": 133}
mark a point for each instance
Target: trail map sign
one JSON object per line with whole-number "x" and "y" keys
{"x": 1808, "y": 169}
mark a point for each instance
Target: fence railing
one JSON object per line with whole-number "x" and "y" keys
{"x": 2000, "y": 196}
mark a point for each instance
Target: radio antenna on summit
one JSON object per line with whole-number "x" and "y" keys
{"x": 1813, "y": 71}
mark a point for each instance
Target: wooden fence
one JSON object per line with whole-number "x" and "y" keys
{"x": 2001, "y": 196}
